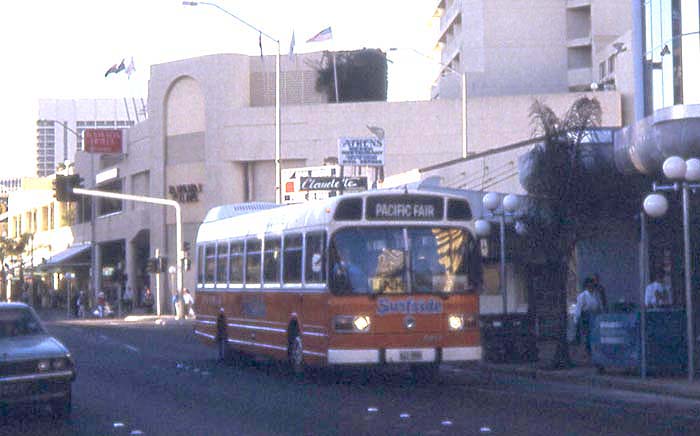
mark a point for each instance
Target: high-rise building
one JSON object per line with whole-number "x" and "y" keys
{"x": 60, "y": 125}
{"x": 515, "y": 47}
{"x": 671, "y": 60}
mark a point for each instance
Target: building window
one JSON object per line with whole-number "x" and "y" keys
{"x": 236, "y": 263}
{"x": 107, "y": 206}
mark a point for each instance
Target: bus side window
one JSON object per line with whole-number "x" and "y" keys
{"x": 292, "y": 258}
{"x": 271, "y": 264}
{"x": 315, "y": 271}
{"x": 221, "y": 263}
{"x": 209, "y": 263}
{"x": 253, "y": 254}
{"x": 236, "y": 263}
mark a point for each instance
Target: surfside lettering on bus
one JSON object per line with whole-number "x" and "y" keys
{"x": 386, "y": 306}
{"x": 402, "y": 208}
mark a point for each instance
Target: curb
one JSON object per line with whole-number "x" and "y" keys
{"x": 690, "y": 391}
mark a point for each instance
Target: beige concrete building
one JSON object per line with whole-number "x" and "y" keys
{"x": 509, "y": 47}
{"x": 210, "y": 132}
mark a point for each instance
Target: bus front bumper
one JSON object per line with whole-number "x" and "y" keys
{"x": 403, "y": 355}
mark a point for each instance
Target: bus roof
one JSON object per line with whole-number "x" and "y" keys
{"x": 235, "y": 220}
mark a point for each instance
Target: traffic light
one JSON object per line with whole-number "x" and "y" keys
{"x": 162, "y": 264}
{"x": 63, "y": 186}
{"x": 151, "y": 265}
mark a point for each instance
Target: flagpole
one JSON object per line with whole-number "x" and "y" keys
{"x": 278, "y": 190}
{"x": 278, "y": 167}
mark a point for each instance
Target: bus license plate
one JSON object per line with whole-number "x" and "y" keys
{"x": 410, "y": 355}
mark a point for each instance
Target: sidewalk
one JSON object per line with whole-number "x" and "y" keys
{"x": 583, "y": 373}
{"x": 137, "y": 315}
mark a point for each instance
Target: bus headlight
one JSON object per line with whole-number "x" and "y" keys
{"x": 351, "y": 323}
{"x": 456, "y": 322}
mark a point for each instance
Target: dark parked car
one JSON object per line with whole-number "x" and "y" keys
{"x": 34, "y": 366}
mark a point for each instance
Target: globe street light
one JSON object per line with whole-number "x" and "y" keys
{"x": 502, "y": 209}
{"x": 683, "y": 173}
{"x": 278, "y": 174}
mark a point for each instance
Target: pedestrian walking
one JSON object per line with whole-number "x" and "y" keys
{"x": 128, "y": 299}
{"x": 148, "y": 300}
{"x": 599, "y": 291}
{"x": 177, "y": 304}
{"x": 587, "y": 307}
{"x": 188, "y": 304}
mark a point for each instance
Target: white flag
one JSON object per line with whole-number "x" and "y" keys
{"x": 130, "y": 69}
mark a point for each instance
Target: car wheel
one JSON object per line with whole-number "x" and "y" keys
{"x": 426, "y": 372}
{"x": 61, "y": 407}
{"x": 296, "y": 354}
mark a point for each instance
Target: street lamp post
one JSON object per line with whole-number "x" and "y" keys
{"x": 463, "y": 74}
{"x": 508, "y": 207}
{"x": 683, "y": 173}
{"x": 278, "y": 174}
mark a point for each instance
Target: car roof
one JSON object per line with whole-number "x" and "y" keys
{"x": 13, "y": 305}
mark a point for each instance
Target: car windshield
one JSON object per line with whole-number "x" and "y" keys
{"x": 403, "y": 260}
{"x": 18, "y": 322}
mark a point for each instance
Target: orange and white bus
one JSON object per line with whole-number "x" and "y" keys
{"x": 377, "y": 278}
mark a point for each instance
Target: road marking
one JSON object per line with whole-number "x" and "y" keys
{"x": 485, "y": 430}
{"x": 118, "y": 424}
{"x": 130, "y": 348}
{"x": 135, "y": 432}
{"x": 446, "y": 423}
{"x": 372, "y": 410}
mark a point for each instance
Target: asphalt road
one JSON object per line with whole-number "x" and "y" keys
{"x": 159, "y": 380}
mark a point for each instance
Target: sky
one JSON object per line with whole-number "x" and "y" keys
{"x": 62, "y": 48}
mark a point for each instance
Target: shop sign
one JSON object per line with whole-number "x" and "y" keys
{"x": 333, "y": 183}
{"x": 103, "y": 140}
{"x": 361, "y": 151}
{"x": 188, "y": 193}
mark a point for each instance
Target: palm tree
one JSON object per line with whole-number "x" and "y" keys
{"x": 560, "y": 155}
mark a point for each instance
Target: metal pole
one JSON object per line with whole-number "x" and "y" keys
{"x": 278, "y": 167}
{"x": 152, "y": 200}
{"x": 67, "y": 276}
{"x": 502, "y": 272}
{"x": 643, "y": 279}
{"x": 157, "y": 254}
{"x": 688, "y": 289}
{"x": 464, "y": 115}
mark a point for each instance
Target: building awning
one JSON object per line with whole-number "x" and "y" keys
{"x": 70, "y": 257}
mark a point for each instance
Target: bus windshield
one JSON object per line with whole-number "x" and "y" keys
{"x": 402, "y": 260}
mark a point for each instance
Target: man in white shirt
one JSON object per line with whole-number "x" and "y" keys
{"x": 657, "y": 293}
{"x": 587, "y": 306}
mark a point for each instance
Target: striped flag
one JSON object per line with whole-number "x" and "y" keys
{"x": 323, "y": 35}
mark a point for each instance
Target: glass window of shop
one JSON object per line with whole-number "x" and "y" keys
{"x": 672, "y": 52}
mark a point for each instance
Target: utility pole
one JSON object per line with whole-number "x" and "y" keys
{"x": 157, "y": 255}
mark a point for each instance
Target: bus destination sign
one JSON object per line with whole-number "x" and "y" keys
{"x": 405, "y": 208}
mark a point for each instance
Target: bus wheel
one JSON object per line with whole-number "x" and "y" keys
{"x": 426, "y": 372}
{"x": 296, "y": 354}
